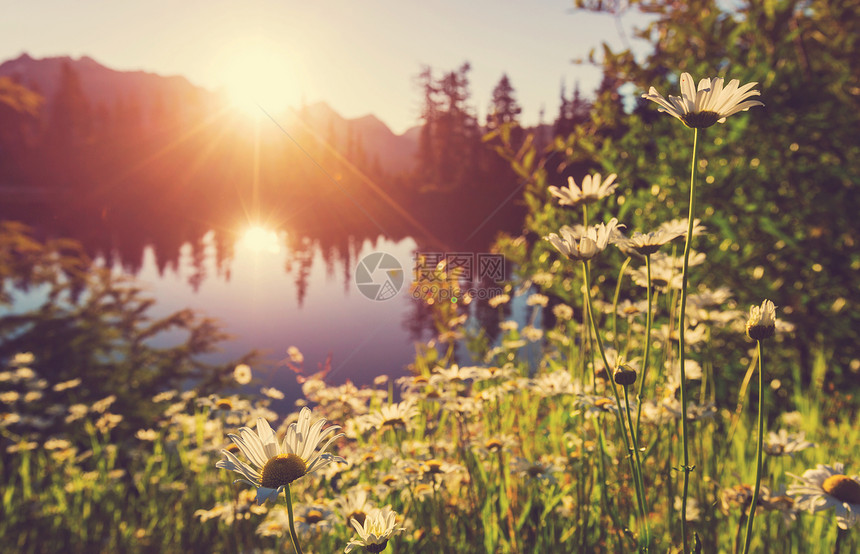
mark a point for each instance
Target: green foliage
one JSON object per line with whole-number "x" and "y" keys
{"x": 779, "y": 194}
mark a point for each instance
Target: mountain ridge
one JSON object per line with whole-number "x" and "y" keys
{"x": 109, "y": 89}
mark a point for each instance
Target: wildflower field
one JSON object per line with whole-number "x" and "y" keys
{"x": 654, "y": 399}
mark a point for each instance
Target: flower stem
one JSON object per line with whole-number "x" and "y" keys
{"x": 648, "y": 320}
{"x": 682, "y": 323}
{"x": 619, "y": 418}
{"x": 758, "y": 464}
{"x": 293, "y": 535}
{"x": 615, "y": 300}
{"x": 643, "y": 503}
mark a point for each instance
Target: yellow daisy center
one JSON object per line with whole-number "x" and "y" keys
{"x": 842, "y": 488}
{"x": 224, "y": 404}
{"x": 358, "y": 516}
{"x": 493, "y": 445}
{"x": 535, "y": 470}
{"x": 433, "y": 466}
{"x": 395, "y": 422}
{"x": 313, "y": 516}
{"x": 282, "y": 470}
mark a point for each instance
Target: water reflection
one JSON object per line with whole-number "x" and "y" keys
{"x": 261, "y": 306}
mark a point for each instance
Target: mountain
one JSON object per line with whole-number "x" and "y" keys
{"x": 149, "y": 94}
{"x": 394, "y": 153}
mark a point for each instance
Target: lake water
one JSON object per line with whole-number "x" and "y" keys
{"x": 259, "y": 303}
{"x": 272, "y": 290}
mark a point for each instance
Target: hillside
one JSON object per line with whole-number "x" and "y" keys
{"x": 148, "y": 94}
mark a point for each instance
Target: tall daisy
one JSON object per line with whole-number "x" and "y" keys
{"x": 584, "y": 246}
{"x": 698, "y": 108}
{"x": 707, "y": 104}
{"x": 277, "y": 464}
{"x": 593, "y": 189}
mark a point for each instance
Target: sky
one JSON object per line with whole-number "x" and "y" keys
{"x": 360, "y": 57}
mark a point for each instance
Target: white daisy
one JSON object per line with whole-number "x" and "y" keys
{"x": 276, "y": 465}
{"x": 785, "y": 443}
{"x": 242, "y": 374}
{"x": 394, "y": 416}
{"x": 828, "y": 487}
{"x": 648, "y": 243}
{"x": 584, "y": 245}
{"x": 762, "y": 321}
{"x": 708, "y": 104}
{"x": 593, "y": 189}
{"x": 377, "y": 529}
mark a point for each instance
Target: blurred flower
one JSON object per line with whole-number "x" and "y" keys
{"x": 828, "y": 487}
{"x": 391, "y": 415}
{"x": 354, "y": 504}
{"x": 276, "y": 465}
{"x": 498, "y": 300}
{"x": 762, "y": 321}
{"x": 242, "y": 374}
{"x": 593, "y": 189}
{"x": 783, "y": 443}
{"x": 586, "y": 244}
{"x": 108, "y": 421}
{"x": 22, "y": 446}
{"x": 562, "y": 312}
{"x": 76, "y": 412}
{"x": 165, "y": 396}
{"x": 101, "y": 405}
{"x": 680, "y": 226}
{"x": 694, "y": 513}
{"x": 532, "y": 334}
{"x": 295, "y": 355}
{"x": 542, "y": 470}
{"x": 146, "y": 434}
{"x": 648, "y": 243}
{"x": 508, "y": 325}
{"x": 494, "y": 445}
{"x": 552, "y": 384}
{"x": 65, "y": 385}
{"x": 313, "y": 519}
{"x": 378, "y": 527}
{"x": 537, "y": 300}
{"x": 57, "y": 444}
{"x": 709, "y": 104}
{"x": 272, "y": 392}
{"x": 23, "y": 358}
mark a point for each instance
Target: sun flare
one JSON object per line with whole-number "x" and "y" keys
{"x": 257, "y": 77}
{"x": 259, "y": 239}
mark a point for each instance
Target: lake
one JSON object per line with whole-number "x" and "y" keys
{"x": 345, "y": 302}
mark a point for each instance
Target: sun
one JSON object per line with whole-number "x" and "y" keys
{"x": 257, "y": 238}
{"x": 257, "y": 77}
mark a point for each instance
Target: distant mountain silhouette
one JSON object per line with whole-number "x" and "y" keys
{"x": 150, "y": 93}
{"x": 394, "y": 153}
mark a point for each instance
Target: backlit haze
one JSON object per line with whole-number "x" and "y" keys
{"x": 359, "y": 57}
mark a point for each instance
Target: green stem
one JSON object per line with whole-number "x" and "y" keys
{"x": 647, "y": 346}
{"x": 615, "y": 300}
{"x": 293, "y": 535}
{"x": 758, "y": 463}
{"x": 619, "y": 418}
{"x": 682, "y": 323}
{"x": 643, "y": 503}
